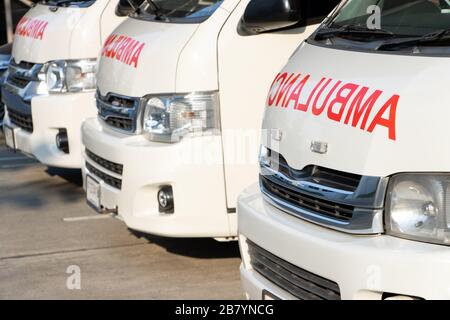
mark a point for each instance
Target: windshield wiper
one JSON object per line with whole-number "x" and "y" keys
{"x": 63, "y": 2}
{"x": 352, "y": 29}
{"x": 429, "y": 38}
{"x": 155, "y": 9}
{"x": 134, "y": 6}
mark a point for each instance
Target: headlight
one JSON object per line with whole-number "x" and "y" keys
{"x": 418, "y": 207}
{"x": 56, "y": 76}
{"x": 170, "y": 118}
{"x": 70, "y": 76}
{"x": 80, "y": 75}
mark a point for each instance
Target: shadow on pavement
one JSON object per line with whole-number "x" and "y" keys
{"x": 72, "y": 176}
{"x": 40, "y": 193}
{"x": 36, "y": 190}
{"x": 192, "y": 247}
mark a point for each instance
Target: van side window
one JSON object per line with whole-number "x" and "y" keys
{"x": 316, "y": 10}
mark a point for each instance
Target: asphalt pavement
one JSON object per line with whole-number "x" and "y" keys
{"x": 53, "y": 246}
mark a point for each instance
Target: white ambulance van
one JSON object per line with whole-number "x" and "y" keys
{"x": 353, "y": 196}
{"x": 50, "y": 87}
{"x": 179, "y": 83}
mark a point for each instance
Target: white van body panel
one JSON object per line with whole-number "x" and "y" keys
{"x": 86, "y": 37}
{"x": 71, "y": 33}
{"x": 199, "y": 56}
{"x": 55, "y": 43}
{"x": 247, "y": 66}
{"x": 108, "y": 21}
{"x": 420, "y": 118}
{"x": 154, "y": 73}
{"x": 230, "y": 5}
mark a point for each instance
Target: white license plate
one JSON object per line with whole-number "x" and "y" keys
{"x": 266, "y": 295}
{"x": 93, "y": 193}
{"x": 10, "y": 138}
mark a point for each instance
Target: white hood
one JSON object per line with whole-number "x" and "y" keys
{"x": 48, "y": 33}
{"x": 406, "y": 130}
{"x": 155, "y": 47}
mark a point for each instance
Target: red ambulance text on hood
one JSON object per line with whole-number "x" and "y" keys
{"x": 31, "y": 28}
{"x": 348, "y": 103}
{"x": 123, "y": 48}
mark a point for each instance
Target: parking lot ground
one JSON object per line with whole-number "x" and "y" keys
{"x": 47, "y": 230}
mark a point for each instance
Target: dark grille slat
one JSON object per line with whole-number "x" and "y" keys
{"x": 23, "y": 64}
{"x": 324, "y": 176}
{"x": 113, "y": 182}
{"x": 21, "y": 120}
{"x": 324, "y": 207}
{"x": 314, "y": 203}
{"x": 22, "y": 74}
{"x": 299, "y": 272}
{"x": 330, "y": 177}
{"x": 120, "y": 123}
{"x": 109, "y": 165}
{"x": 286, "y": 285}
{"x": 300, "y": 283}
{"x": 18, "y": 82}
{"x": 121, "y": 101}
{"x": 314, "y": 292}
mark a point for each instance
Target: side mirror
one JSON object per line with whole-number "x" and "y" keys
{"x": 268, "y": 15}
{"x": 6, "y": 49}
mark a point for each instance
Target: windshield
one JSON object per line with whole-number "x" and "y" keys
{"x": 194, "y": 11}
{"x": 394, "y": 25}
{"x": 68, "y": 3}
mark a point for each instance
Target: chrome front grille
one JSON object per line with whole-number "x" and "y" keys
{"x": 20, "y": 86}
{"x": 119, "y": 112}
{"x": 125, "y": 124}
{"x": 323, "y": 207}
{"x": 338, "y": 200}
{"x": 23, "y": 65}
{"x": 300, "y": 283}
{"x": 22, "y": 74}
{"x": 21, "y": 120}
{"x": 108, "y": 165}
{"x": 18, "y": 82}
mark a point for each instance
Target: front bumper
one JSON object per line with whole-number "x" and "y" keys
{"x": 364, "y": 267}
{"x": 198, "y": 188}
{"x": 49, "y": 114}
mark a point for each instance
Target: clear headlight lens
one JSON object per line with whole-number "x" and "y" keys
{"x": 418, "y": 207}
{"x": 170, "y": 118}
{"x": 80, "y": 75}
{"x": 70, "y": 76}
{"x": 55, "y": 77}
